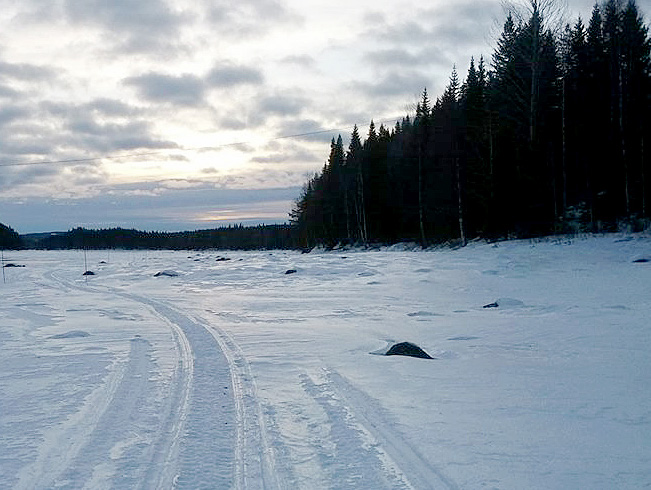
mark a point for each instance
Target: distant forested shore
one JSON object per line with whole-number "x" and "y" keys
{"x": 236, "y": 237}
{"x": 553, "y": 137}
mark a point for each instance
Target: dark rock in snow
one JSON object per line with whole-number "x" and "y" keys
{"x": 638, "y": 261}
{"x": 167, "y": 273}
{"x": 88, "y": 273}
{"x": 290, "y": 271}
{"x": 407, "y": 349}
{"x": 13, "y": 265}
{"x": 222, "y": 259}
{"x": 505, "y": 303}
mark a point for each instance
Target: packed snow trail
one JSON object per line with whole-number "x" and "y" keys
{"x": 194, "y": 443}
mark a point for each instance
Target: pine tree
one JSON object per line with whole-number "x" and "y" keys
{"x": 354, "y": 162}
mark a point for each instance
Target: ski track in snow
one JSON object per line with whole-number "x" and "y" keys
{"x": 368, "y": 451}
{"x": 198, "y": 421}
{"x": 255, "y": 462}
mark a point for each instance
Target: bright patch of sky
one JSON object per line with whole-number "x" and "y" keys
{"x": 199, "y": 94}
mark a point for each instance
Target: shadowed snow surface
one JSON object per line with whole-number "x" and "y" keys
{"x": 235, "y": 375}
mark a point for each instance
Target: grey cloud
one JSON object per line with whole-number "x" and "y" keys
{"x": 230, "y": 122}
{"x": 11, "y": 177}
{"x": 135, "y": 26}
{"x": 396, "y": 84}
{"x": 393, "y": 57}
{"x": 304, "y": 60}
{"x": 9, "y": 114}
{"x": 228, "y": 75}
{"x": 276, "y": 105}
{"x": 7, "y": 92}
{"x": 111, "y": 108}
{"x": 399, "y": 57}
{"x": 183, "y": 90}
{"x": 373, "y": 19}
{"x": 282, "y": 105}
{"x": 59, "y": 131}
{"x": 248, "y": 18}
{"x": 25, "y": 71}
{"x": 447, "y": 26}
{"x": 287, "y": 153}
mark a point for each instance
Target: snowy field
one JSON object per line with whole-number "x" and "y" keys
{"x": 233, "y": 374}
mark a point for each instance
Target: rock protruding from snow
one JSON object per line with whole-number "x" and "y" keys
{"x": 505, "y": 303}
{"x": 13, "y": 265}
{"x": 290, "y": 271}
{"x": 643, "y": 260}
{"x": 407, "y": 349}
{"x": 88, "y": 273}
{"x": 167, "y": 272}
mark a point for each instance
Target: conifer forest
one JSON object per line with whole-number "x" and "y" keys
{"x": 553, "y": 134}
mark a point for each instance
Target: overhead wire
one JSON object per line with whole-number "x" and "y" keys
{"x": 164, "y": 150}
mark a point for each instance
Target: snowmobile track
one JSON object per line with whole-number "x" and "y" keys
{"x": 200, "y": 414}
{"x": 354, "y": 415}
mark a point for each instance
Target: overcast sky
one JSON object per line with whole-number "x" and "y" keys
{"x": 192, "y": 107}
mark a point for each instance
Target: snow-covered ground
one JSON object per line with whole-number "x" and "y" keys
{"x": 233, "y": 374}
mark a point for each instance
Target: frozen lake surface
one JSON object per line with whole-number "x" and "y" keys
{"x": 232, "y": 374}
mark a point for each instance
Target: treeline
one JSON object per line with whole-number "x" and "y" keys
{"x": 226, "y": 238}
{"x": 9, "y": 238}
{"x": 549, "y": 138}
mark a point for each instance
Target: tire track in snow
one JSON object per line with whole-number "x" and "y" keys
{"x": 63, "y": 443}
{"x": 366, "y": 410}
{"x": 205, "y": 448}
{"x": 195, "y": 446}
{"x": 365, "y": 439}
{"x": 255, "y": 462}
{"x": 346, "y": 453}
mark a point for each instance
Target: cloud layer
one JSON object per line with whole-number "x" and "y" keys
{"x": 236, "y": 95}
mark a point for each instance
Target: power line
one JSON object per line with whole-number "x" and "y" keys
{"x": 158, "y": 152}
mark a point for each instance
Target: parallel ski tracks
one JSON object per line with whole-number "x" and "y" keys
{"x": 255, "y": 461}
{"x": 198, "y": 421}
{"x": 214, "y": 409}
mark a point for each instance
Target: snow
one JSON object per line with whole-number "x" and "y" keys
{"x": 232, "y": 374}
